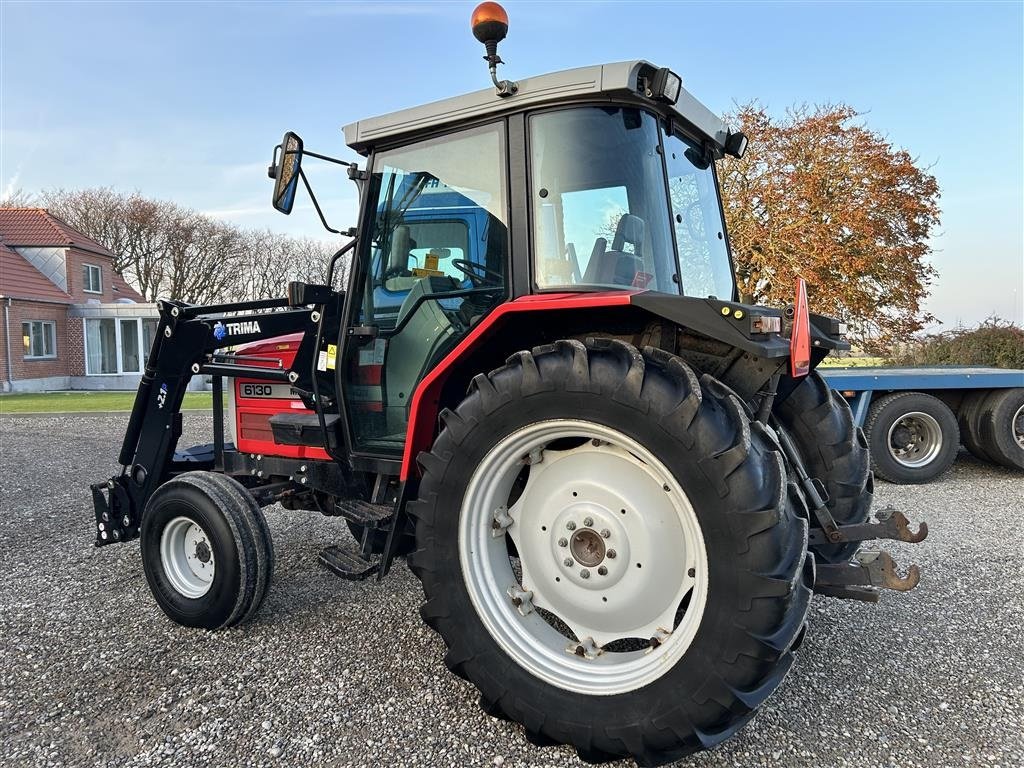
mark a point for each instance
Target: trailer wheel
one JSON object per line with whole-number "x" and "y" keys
{"x": 968, "y": 419}
{"x": 1001, "y": 423}
{"x": 609, "y": 551}
{"x": 835, "y": 451}
{"x": 206, "y": 550}
{"x": 913, "y": 437}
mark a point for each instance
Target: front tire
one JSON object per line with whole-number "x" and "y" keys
{"x": 688, "y": 628}
{"x": 206, "y": 550}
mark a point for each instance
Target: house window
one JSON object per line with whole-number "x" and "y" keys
{"x": 114, "y": 346}
{"x": 100, "y": 346}
{"x": 40, "y": 338}
{"x": 92, "y": 278}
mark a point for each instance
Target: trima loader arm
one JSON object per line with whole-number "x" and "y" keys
{"x": 187, "y": 342}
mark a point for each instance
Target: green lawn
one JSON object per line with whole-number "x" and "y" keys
{"x": 59, "y": 402}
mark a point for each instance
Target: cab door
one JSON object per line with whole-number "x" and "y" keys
{"x": 432, "y": 262}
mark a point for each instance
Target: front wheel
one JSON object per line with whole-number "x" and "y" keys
{"x": 608, "y": 549}
{"x": 206, "y": 550}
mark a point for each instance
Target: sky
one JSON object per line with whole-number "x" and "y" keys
{"x": 185, "y": 100}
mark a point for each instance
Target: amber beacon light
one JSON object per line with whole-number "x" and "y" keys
{"x": 490, "y": 25}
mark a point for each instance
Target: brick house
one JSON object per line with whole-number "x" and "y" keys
{"x": 69, "y": 321}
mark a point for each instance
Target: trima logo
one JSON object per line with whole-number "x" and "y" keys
{"x": 236, "y": 329}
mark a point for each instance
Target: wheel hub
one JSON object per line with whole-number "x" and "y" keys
{"x": 580, "y": 551}
{"x": 587, "y": 547}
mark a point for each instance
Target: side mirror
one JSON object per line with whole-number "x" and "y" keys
{"x": 286, "y": 170}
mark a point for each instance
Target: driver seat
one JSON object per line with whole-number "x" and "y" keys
{"x": 616, "y": 266}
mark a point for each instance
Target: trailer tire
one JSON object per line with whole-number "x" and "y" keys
{"x": 1001, "y": 427}
{"x": 693, "y": 436}
{"x": 913, "y": 437}
{"x": 206, "y": 550}
{"x": 835, "y": 451}
{"x": 968, "y": 419}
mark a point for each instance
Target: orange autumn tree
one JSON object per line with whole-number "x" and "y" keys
{"x": 820, "y": 196}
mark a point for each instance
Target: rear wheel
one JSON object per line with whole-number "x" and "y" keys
{"x": 1001, "y": 427}
{"x": 608, "y": 549}
{"x": 206, "y": 550}
{"x": 835, "y": 451}
{"x": 913, "y": 437}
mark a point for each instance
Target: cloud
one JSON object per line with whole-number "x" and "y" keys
{"x": 11, "y": 187}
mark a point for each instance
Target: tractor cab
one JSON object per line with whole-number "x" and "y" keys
{"x": 593, "y": 181}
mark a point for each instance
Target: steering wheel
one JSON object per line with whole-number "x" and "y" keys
{"x": 477, "y": 274}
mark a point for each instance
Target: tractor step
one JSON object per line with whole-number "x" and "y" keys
{"x": 864, "y": 577}
{"x": 364, "y": 513}
{"x": 347, "y": 563}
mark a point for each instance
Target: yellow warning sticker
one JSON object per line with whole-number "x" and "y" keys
{"x": 419, "y": 272}
{"x": 332, "y": 355}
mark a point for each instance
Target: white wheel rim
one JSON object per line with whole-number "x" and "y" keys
{"x": 1018, "y": 427}
{"x": 915, "y": 439}
{"x": 187, "y": 557}
{"x": 608, "y": 472}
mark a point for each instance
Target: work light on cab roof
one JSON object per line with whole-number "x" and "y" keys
{"x": 490, "y": 25}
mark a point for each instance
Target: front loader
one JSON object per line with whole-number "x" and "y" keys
{"x": 618, "y": 485}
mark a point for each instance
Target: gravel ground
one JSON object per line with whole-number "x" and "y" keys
{"x": 342, "y": 673}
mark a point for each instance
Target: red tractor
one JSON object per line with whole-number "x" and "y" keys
{"x": 618, "y": 485}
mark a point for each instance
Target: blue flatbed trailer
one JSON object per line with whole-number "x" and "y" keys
{"x": 916, "y": 418}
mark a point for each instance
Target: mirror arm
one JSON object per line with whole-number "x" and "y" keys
{"x": 316, "y": 204}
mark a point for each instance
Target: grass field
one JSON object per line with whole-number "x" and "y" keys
{"x": 63, "y": 402}
{"x": 853, "y": 362}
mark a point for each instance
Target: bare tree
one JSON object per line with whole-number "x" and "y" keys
{"x": 17, "y": 198}
{"x": 164, "y": 249}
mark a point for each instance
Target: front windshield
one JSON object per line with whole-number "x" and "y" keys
{"x": 600, "y": 213}
{"x": 700, "y": 234}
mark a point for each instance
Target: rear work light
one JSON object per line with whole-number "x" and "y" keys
{"x": 800, "y": 340}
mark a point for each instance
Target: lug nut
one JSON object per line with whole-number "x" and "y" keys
{"x": 588, "y": 521}
{"x": 606, "y": 533}
{"x": 602, "y": 571}
{"x": 584, "y": 574}
{"x": 692, "y": 572}
{"x": 567, "y": 562}
{"x": 570, "y": 526}
{"x": 563, "y": 542}
{"x": 611, "y": 554}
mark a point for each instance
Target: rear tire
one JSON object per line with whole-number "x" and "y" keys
{"x": 835, "y": 451}
{"x": 688, "y": 446}
{"x": 1001, "y": 427}
{"x": 206, "y": 550}
{"x": 968, "y": 418}
{"x": 913, "y": 437}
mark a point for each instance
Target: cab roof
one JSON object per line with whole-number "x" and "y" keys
{"x": 612, "y": 82}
